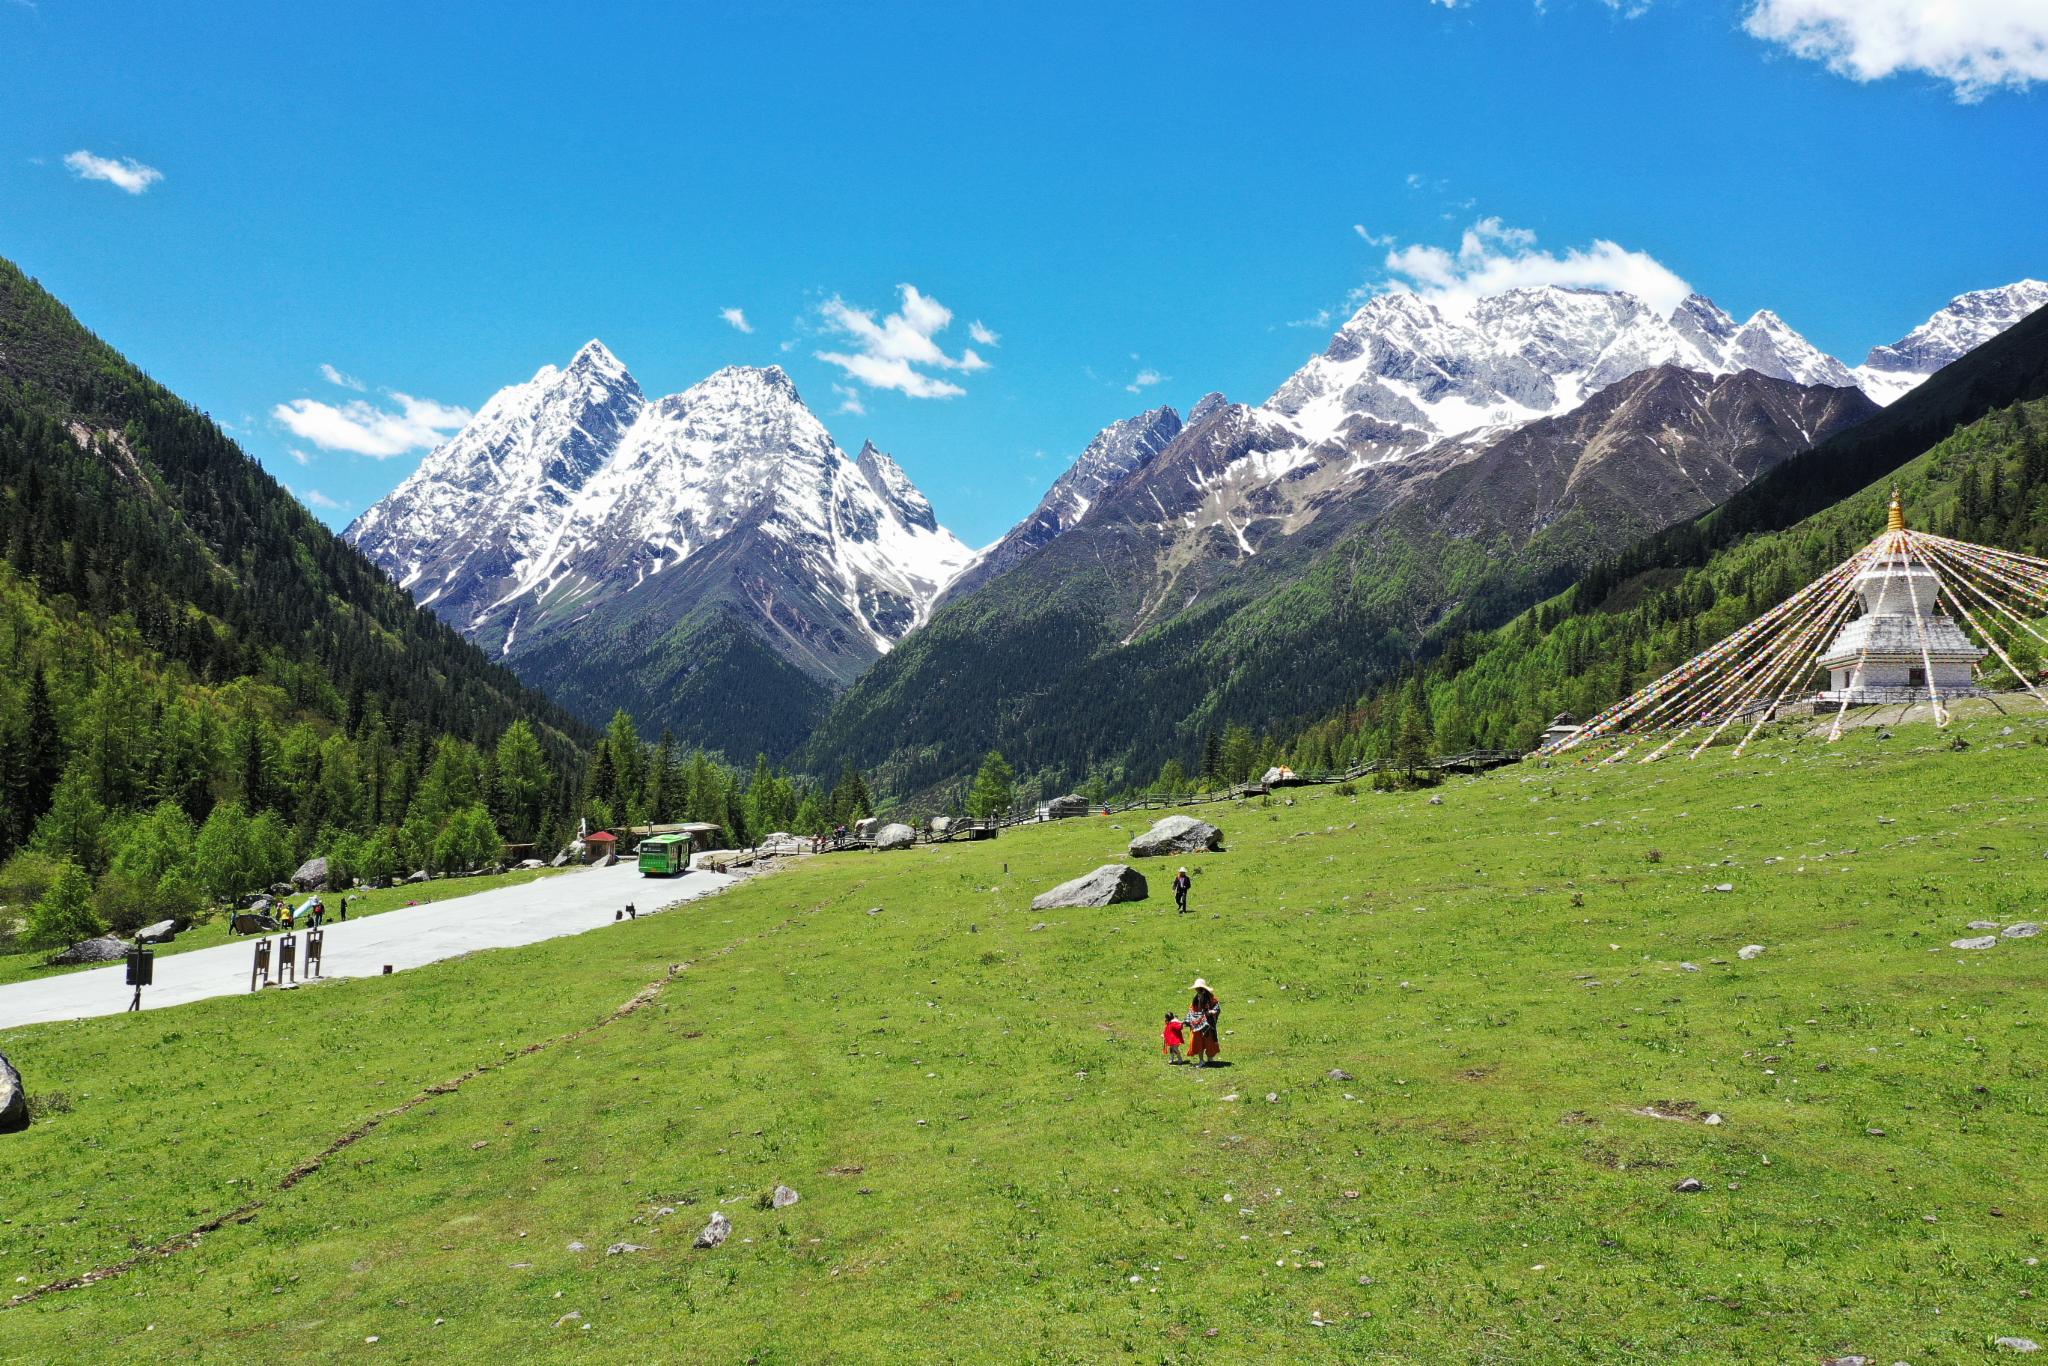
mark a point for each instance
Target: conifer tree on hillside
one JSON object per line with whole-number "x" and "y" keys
{"x": 994, "y": 790}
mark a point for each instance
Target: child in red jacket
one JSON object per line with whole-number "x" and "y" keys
{"x": 1176, "y": 1035}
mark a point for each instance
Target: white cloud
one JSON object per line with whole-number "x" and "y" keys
{"x": 1977, "y": 46}
{"x": 1492, "y": 257}
{"x": 1144, "y": 379}
{"x": 367, "y": 429}
{"x": 899, "y": 351}
{"x": 1371, "y": 238}
{"x": 303, "y": 457}
{"x": 122, "y": 172}
{"x": 849, "y": 400}
{"x": 314, "y": 498}
{"x": 980, "y": 332}
{"x": 736, "y": 318}
{"x": 334, "y": 376}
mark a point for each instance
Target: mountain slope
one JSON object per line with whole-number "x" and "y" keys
{"x": 607, "y": 546}
{"x": 1118, "y": 643}
{"x": 169, "y": 516}
{"x": 1117, "y": 451}
{"x": 204, "y": 684}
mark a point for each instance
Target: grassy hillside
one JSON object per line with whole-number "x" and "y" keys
{"x": 1633, "y": 618}
{"x": 995, "y": 1165}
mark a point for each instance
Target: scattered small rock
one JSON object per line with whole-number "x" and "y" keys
{"x": 1339, "y": 1074}
{"x": 1689, "y": 1186}
{"x": 1711, "y": 1119}
{"x": 1750, "y": 951}
{"x": 1436, "y": 801}
{"x": 715, "y": 1232}
{"x": 2022, "y": 929}
{"x": 620, "y": 1249}
{"x": 1984, "y": 941}
{"x": 1689, "y": 967}
{"x": 578, "y": 1247}
{"x": 783, "y": 1197}
{"x": 1272, "y": 1097}
{"x": 1724, "y": 886}
{"x": 2019, "y": 1344}
{"x": 1982, "y": 925}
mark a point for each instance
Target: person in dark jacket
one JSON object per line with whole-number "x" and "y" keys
{"x": 1181, "y": 883}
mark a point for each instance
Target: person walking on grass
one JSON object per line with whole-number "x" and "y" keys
{"x": 1176, "y": 1035}
{"x": 1181, "y": 883}
{"x": 1204, "y": 1014}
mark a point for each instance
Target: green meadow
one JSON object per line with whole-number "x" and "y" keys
{"x": 1533, "y": 984}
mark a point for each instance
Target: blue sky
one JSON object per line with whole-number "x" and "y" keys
{"x": 1137, "y": 203}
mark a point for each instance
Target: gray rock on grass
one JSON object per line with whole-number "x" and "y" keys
{"x": 717, "y": 1231}
{"x": 784, "y": 1197}
{"x": 1689, "y": 1186}
{"x": 895, "y": 835}
{"x": 2018, "y": 1344}
{"x": 1982, "y": 941}
{"x": 1177, "y": 835}
{"x": 1748, "y": 951}
{"x": 163, "y": 932}
{"x": 2021, "y": 929}
{"x": 13, "y": 1099}
{"x": 105, "y": 949}
{"x": 1106, "y": 886}
{"x": 312, "y": 875}
{"x": 1982, "y": 925}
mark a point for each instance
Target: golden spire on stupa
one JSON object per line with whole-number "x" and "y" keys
{"x": 1895, "y": 516}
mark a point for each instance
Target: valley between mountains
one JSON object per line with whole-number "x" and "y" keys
{"x": 714, "y": 563}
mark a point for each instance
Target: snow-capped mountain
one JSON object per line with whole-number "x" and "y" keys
{"x": 1405, "y": 372}
{"x": 1965, "y": 323}
{"x": 572, "y": 503}
{"x": 1117, "y": 450}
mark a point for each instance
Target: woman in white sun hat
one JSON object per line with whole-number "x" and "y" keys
{"x": 1204, "y": 1011}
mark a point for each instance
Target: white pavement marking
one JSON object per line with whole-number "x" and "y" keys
{"x": 503, "y": 917}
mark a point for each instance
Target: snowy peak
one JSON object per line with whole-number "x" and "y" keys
{"x": 573, "y": 491}
{"x": 1962, "y": 325}
{"x": 1116, "y": 453}
{"x": 1701, "y": 322}
{"x": 1768, "y": 346}
{"x": 1406, "y": 371}
{"x": 894, "y": 488}
{"x": 1208, "y": 404}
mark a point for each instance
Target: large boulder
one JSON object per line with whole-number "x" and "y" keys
{"x": 1106, "y": 886}
{"x": 866, "y": 826}
{"x": 943, "y": 825}
{"x": 105, "y": 949}
{"x": 1059, "y": 808}
{"x": 13, "y": 1099}
{"x": 312, "y": 875}
{"x": 895, "y": 836}
{"x": 1177, "y": 835}
{"x": 1279, "y": 777}
{"x": 163, "y": 932}
{"x": 529, "y": 864}
{"x": 420, "y": 876}
{"x": 281, "y": 889}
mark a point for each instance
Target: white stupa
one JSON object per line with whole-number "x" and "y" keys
{"x": 1903, "y": 647}
{"x": 1886, "y": 625}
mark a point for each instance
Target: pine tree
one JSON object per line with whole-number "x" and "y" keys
{"x": 994, "y": 790}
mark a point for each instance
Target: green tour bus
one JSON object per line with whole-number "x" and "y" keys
{"x": 664, "y": 855}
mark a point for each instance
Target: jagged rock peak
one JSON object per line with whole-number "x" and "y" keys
{"x": 894, "y": 487}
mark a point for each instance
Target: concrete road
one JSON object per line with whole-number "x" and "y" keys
{"x": 501, "y": 918}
